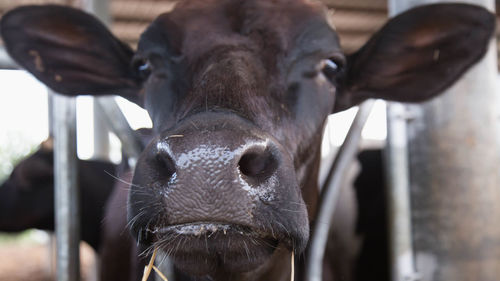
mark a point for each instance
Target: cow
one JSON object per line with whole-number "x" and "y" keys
{"x": 238, "y": 92}
{"x": 27, "y": 195}
{"x": 359, "y": 236}
{"x": 27, "y": 201}
{"x": 119, "y": 255}
{"x": 372, "y": 260}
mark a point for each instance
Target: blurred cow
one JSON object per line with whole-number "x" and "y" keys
{"x": 27, "y": 196}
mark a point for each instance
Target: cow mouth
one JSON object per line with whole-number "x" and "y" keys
{"x": 203, "y": 248}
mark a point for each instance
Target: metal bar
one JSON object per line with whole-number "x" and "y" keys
{"x": 401, "y": 256}
{"x": 101, "y": 134}
{"x": 115, "y": 120}
{"x": 398, "y": 198}
{"x": 66, "y": 190}
{"x": 100, "y": 9}
{"x": 454, "y": 174}
{"x": 105, "y": 108}
{"x": 50, "y": 111}
{"x": 330, "y": 191}
{"x": 131, "y": 145}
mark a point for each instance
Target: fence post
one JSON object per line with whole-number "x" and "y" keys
{"x": 67, "y": 209}
{"x": 398, "y": 198}
{"x": 100, "y": 9}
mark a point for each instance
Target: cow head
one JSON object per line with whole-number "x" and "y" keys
{"x": 27, "y": 196}
{"x": 238, "y": 92}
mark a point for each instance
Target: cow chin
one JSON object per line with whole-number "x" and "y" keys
{"x": 217, "y": 242}
{"x": 206, "y": 248}
{"x": 213, "y": 246}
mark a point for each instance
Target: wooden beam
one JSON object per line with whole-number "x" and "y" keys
{"x": 139, "y": 10}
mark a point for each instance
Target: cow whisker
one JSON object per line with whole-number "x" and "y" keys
{"x": 163, "y": 277}
{"x": 246, "y": 250}
{"x": 291, "y": 211}
{"x": 148, "y": 251}
{"x": 297, "y": 203}
{"x": 132, "y": 221}
{"x": 130, "y": 184}
{"x": 163, "y": 259}
{"x": 283, "y": 227}
{"x": 206, "y": 243}
{"x": 121, "y": 180}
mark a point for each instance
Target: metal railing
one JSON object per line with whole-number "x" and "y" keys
{"x": 330, "y": 191}
{"x": 67, "y": 193}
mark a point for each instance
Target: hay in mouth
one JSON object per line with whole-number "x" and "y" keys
{"x": 147, "y": 269}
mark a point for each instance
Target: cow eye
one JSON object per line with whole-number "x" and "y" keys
{"x": 332, "y": 67}
{"x": 143, "y": 68}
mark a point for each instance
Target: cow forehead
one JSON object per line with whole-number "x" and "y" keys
{"x": 236, "y": 55}
{"x": 266, "y": 27}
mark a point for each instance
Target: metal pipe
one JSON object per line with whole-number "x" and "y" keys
{"x": 66, "y": 190}
{"x": 454, "y": 174}
{"x": 329, "y": 193}
{"x": 131, "y": 145}
{"x": 101, "y": 134}
{"x": 50, "y": 111}
{"x": 100, "y": 9}
{"x": 67, "y": 194}
{"x": 105, "y": 108}
{"x": 398, "y": 198}
{"x": 115, "y": 120}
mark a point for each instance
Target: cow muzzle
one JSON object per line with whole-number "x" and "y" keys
{"x": 223, "y": 190}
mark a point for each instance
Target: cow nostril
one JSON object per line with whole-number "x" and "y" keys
{"x": 166, "y": 166}
{"x": 258, "y": 165}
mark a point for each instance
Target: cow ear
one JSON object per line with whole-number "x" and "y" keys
{"x": 70, "y": 51}
{"x": 417, "y": 54}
